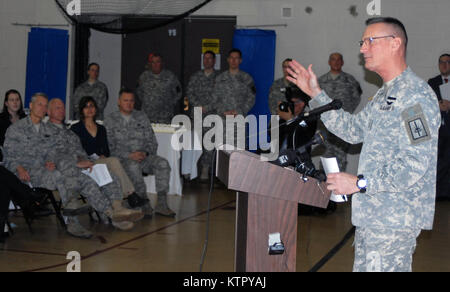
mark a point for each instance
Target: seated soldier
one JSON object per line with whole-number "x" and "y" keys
{"x": 36, "y": 153}
{"x": 132, "y": 140}
{"x": 94, "y": 140}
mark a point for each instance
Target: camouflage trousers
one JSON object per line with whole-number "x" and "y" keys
{"x": 384, "y": 250}
{"x": 41, "y": 177}
{"x": 153, "y": 164}
{"x": 100, "y": 198}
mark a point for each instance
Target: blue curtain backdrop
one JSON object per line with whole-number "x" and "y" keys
{"x": 258, "y": 54}
{"x": 47, "y": 63}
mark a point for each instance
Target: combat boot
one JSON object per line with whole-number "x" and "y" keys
{"x": 74, "y": 208}
{"x": 119, "y": 213}
{"x": 75, "y": 229}
{"x": 147, "y": 210}
{"x": 161, "y": 206}
{"x": 124, "y": 225}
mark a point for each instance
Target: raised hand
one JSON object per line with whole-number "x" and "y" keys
{"x": 306, "y": 80}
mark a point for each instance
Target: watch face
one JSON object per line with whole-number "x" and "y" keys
{"x": 362, "y": 183}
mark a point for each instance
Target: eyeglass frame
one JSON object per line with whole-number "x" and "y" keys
{"x": 371, "y": 39}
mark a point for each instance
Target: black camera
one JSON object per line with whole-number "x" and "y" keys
{"x": 290, "y": 93}
{"x": 286, "y": 106}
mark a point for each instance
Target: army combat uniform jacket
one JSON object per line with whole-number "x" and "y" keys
{"x": 399, "y": 132}
{"x": 159, "y": 96}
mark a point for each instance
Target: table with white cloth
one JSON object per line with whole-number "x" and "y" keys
{"x": 169, "y": 147}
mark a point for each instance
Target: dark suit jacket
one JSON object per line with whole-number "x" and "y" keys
{"x": 435, "y": 83}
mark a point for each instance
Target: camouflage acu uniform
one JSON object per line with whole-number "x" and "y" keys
{"x": 233, "y": 92}
{"x": 277, "y": 93}
{"x": 346, "y": 89}
{"x": 26, "y": 147}
{"x": 159, "y": 96}
{"x": 98, "y": 91}
{"x": 137, "y": 135}
{"x": 199, "y": 93}
{"x": 399, "y": 132}
{"x": 68, "y": 152}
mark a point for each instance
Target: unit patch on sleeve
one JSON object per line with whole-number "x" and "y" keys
{"x": 416, "y": 124}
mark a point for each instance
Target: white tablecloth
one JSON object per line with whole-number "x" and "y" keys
{"x": 190, "y": 158}
{"x": 173, "y": 155}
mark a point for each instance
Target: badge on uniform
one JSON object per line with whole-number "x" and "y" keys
{"x": 390, "y": 100}
{"x": 416, "y": 124}
{"x": 389, "y": 107}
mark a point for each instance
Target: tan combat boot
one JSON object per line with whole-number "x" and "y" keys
{"x": 161, "y": 206}
{"x": 124, "y": 225}
{"x": 119, "y": 214}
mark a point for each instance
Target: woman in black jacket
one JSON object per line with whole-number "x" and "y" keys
{"x": 12, "y": 112}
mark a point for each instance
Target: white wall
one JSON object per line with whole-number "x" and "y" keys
{"x": 106, "y": 50}
{"x": 14, "y": 38}
{"x": 309, "y": 38}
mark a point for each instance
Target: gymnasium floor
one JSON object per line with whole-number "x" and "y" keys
{"x": 175, "y": 244}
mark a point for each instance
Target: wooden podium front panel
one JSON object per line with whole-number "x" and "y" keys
{"x": 264, "y": 216}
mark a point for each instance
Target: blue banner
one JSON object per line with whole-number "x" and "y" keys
{"x": 258, "y": 55}
{"x": 47, "y": 63}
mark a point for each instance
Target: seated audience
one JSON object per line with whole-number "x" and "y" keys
{"x": 132, "y": 140}
{"x": 38, "y": 155}
{"x": 94, "y": 141}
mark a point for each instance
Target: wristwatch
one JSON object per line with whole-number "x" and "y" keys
{"x": 361, "y": 183}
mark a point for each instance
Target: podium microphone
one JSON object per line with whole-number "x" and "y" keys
{"x": 289, "y": 157}
{"x": 319, "y": 138}
{"x": 334, "y": 105}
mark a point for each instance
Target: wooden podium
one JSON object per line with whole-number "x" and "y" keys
{"x": 267, "y": 203}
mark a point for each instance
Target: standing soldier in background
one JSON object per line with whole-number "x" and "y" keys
{"x": 343, "y": 86}
{"x": 92, "y": 87}
{"x": 159, "y": 92}
{"x": 234, "y": 91}
{"x": 199, "y": 94}
{"x": 278, "y": 89}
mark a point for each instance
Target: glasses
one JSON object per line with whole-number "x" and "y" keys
{"x": 444, "y": 62}
{"x": 369, "y": 40}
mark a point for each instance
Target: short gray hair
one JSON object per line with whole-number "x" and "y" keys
{"x": 37, "y": 94}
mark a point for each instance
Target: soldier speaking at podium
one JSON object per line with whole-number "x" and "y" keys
{"x": 394, "y": 192}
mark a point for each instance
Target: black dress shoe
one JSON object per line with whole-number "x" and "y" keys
{"x": 135, "y": 201}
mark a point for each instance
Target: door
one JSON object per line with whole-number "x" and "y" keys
{"x": 180, "y": 44}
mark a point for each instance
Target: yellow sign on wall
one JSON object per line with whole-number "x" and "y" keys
{"x": 211, "y": 45}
